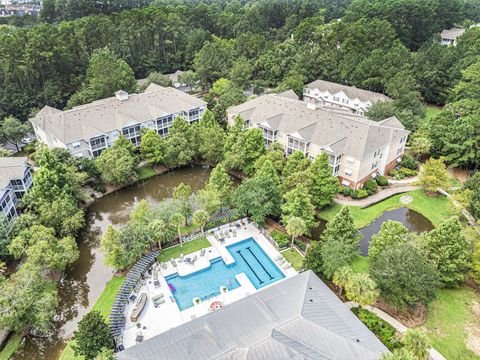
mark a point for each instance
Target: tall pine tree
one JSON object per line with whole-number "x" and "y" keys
{"x": 340, "y": 242}
{"x": 324, "y": 185}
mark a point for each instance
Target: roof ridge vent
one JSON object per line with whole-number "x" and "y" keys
{"x": 121, "y": 95}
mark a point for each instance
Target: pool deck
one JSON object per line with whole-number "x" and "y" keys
{"x": 154, "y": 321}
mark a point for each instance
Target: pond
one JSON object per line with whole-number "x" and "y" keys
{"x": 85, "y": 280}
{"x": 413, "y": 221}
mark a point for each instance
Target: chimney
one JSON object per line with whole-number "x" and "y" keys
{"x": 121, "y": 95}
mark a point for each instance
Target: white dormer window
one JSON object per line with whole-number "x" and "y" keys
{"x": 350, "y": 160}
{"x": 348, "y": 172}
{"x": 76, "y": 145}
{"x": 336, "y": 98}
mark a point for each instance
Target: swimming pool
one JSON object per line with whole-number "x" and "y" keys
{"x": 249, "y": 259}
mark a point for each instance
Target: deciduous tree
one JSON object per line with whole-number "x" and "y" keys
{"x": 434, "y": 175}
{"x": 450, "y": 251}
{"x": 393, "y": 273}
{"x": 116, "y": 165}
{"x": 12, "y": 130}
{"x": 182, "y": 194}
{"x": 152, "y": 147}
{"x": 391, "y": 233}
{"x": 27, "y": 299}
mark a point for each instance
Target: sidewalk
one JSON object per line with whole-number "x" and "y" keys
{"x": 379, "y": 196}
{"x": 434, "y": 354}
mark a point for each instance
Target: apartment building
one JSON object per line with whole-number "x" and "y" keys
{"x": 326, "y": 93}
{"x": 359, "y": 149}
{"x": 87, "y": 130}
{"x": 15, "y": 180}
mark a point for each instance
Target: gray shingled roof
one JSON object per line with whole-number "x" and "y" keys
{"x": 296, "y": 318}
{"x": 351, "y": 91}
{"x": 289, "y": 94}
{"x": 452, "y": 33}
{"x": 96, "y": 118}
{"x": 11, "y": 168}
{"x": 323, "y": 127}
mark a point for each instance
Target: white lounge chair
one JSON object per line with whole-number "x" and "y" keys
{"x": 286, "y": 266}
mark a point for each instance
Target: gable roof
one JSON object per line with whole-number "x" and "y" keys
{"x": 351, "y": 91}
{"x": 296, "y": 318}
{"x": 452, "y": 33}
{"x": 289, "y": 94}
{"x": 353, "y": 134}
{"x": 101, "y": 116}
{"x": 11, "y": 168}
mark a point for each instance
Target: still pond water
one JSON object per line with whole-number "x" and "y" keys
{"x": 412, "y": 220}
{"x": 86, "y": 278}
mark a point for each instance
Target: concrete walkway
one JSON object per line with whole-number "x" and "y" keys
{"x": 379, "y": 196}
{"x": 402, "y": 329}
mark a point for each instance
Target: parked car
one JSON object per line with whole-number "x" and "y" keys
{"x": 27, "y": 140}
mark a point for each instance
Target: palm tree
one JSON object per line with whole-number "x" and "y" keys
{"x": 398, "y": 354}
{"x": 416, "y": 342}
{"x": 362, "y": 289}
{"x": 200, "y": 218}
{"x": 158, "y": 228}
{"x": 342, "y": 277}
{"x": 295, "y": 227}
{"x": 178, "y": 220}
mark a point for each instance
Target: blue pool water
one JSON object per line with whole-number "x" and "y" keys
{"x": 249, "y": 259}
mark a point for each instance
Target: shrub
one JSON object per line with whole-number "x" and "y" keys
{"x": 300, "y": 244}
{"x": 409, "y": 163}
{"x": 345, "y": 190}
{"x": 371, "y": 187}
{"x": 402, "y": 173}
{"x": 381, "y": 180}
{"x": 384, "y": 331}
{"x": 359, "y": 194}
{"x": 282, "y": 239}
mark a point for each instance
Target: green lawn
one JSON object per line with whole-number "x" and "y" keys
{"x": 188, "y": 229}
{"x": 432, "y": 111}
{"x": 103, "y": 304}
{"x": 448, "y": 320}
{"x": 12, "y": 346}
{"x": 436, "y": 209}
{"x": 294, "y": 258}
{"x": 146, "y": 172}
{"x": 361, "y": 265}
{"x": 187, "y": 248}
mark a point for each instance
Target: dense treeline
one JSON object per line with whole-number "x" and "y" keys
{"x": 267, "y": 42}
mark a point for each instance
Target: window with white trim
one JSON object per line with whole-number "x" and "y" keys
{"x": 294, "y": 145}
{"x": 336, "y": 98}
